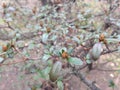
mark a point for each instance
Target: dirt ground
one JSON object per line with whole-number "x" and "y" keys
{"x": 14, "y": 78}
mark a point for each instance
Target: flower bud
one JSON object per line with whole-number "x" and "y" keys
{"x": 96, "y": 51}
{"x": 55, "y": 71}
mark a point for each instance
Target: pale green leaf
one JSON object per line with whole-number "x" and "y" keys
{"x": 31, "y": 46}
{"x": 44, "y": 37}
{"x": 20, "y": 44}
{"x": 113, "y": 40}
{"x": 75, "y": 61}
{"x": 1, "y": 59}
{"x": 46, "y": 57}
{"x": 2, "y": 21}
{"x": 60, "y": 85}
{"x": 0, "y": 48}
{"x": 88, "y": 61}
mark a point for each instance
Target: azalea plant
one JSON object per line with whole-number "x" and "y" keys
{"x": 66, "y": 37}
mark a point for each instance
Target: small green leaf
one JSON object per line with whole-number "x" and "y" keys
{"x": 0, "y": 48}
{"x": 75, "y": 61}
{"x": 44, "y": 73}
{"x": 109, "y": 40}
{"x": 2, "y": 21}
{"x": 37, "y": 27}
{"x": 51, "y": 49}
{"x": 118, "y": 49}
{"x": 53, "y": 37}
{"x": 20, "y": 44}
{"x": 10, "y": 53}
{"x": 50, "y": 63}
{"x": 76, "y": 39}
{"x": 46, "y": 70}
{"x": 88, "y": 56}
{"x": 18, "y": 35}
{"x": 31, "y": 46}
{"x": 56, "y": 52}
{"x": 70, "y": 50}
{"x": 88, "y": 61}
{"x": 46, "y": 57}
{"x": 45, "y": 37}
{"x": 1, "y": 59}
{"x": 60, "y": 85}
{"x": 111, "y": 84}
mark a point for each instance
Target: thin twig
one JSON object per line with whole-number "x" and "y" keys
{"x": 91, "y": 85}
{"x": 3, "y": 26}
{"x": 28, "y": 58}
{"x": 23, "y": 60}
{"x": 111, "y": 51}
{"x": 108, "y": 70}
{"x": 9, "y": 26}
{"x": 3, "y": 53}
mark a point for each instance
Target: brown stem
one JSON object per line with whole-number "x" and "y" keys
{"x": 91, "y": 85}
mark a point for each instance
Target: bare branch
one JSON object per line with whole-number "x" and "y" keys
{"x": 91, "y": 85}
